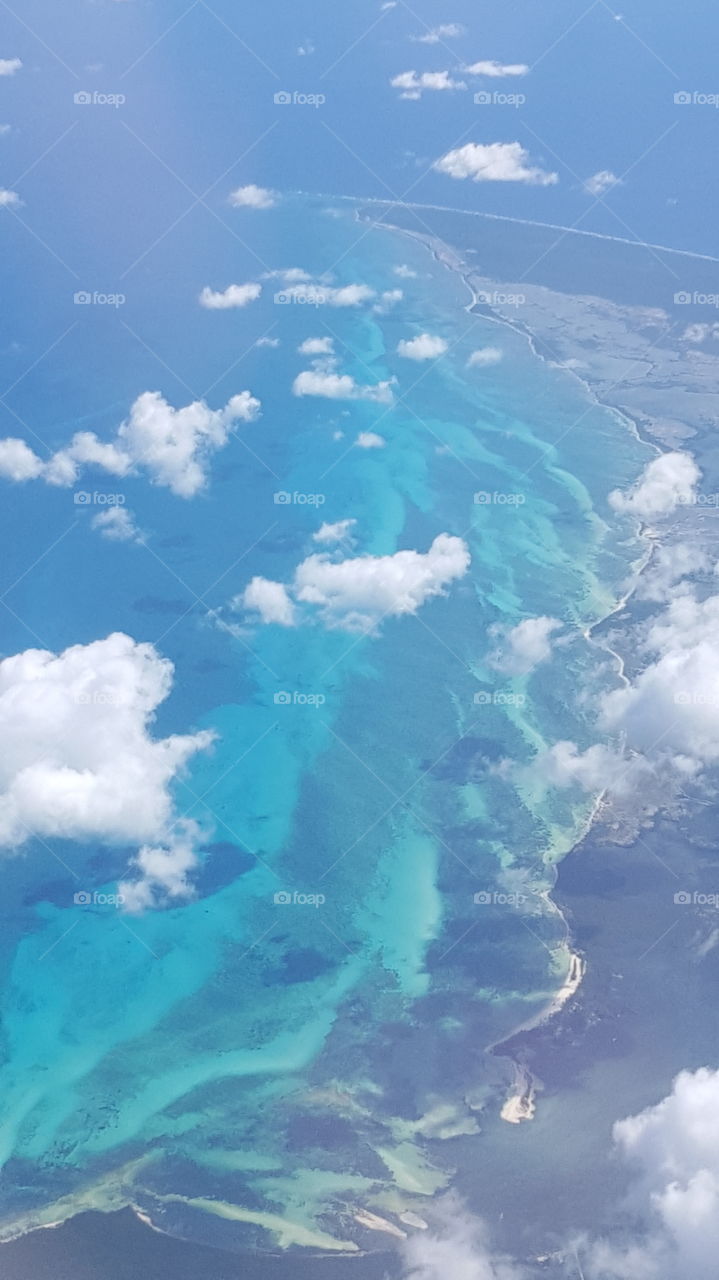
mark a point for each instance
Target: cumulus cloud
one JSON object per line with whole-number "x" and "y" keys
{"x": 356, "y": 593}
{"x": 404, "y": 272}
{"x": 326, "y": 295}
{"x": 270, "y": 600}
{"x": 9, "y": 199}
{"x": 484, "y": 356}
{"x": 673, "y": 1148}
{"x": 316, "y": 347}
{"x": 79, "y": 759}
{"x": 117, "y": 524}
{"x": 332, "y": 533}
{"x": 267, "y": 342}
{"x": 600, "y": 182}
{"x": 670, "y": 564}
{"x": 445, "y": 31}
{"x": 17, "y": 460}
{"x": 339, "y": 386}
{"x": 524, "y": 647}
{"x": 253, "y": 197}
{"x": 426, "y": 346}
{"x": 666, "y": 483}
{"x": 497, "y": 70}
{"x": 493, "y": 162}
{"x": 414, "y": 83}
{"x": 235, "y": 295}
{"x": 172, "y": 446}
{"x": 370, "y": 440}
{"x": 456, "y": 1247}
{"x": 9, "y": 66}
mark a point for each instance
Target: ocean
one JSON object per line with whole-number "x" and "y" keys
{"x": 254, "y": 1067}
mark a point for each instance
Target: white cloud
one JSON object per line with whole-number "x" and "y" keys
{"x": 253, "y": 197}
{"x": 270, "y": 600}
{"x": 600, "y": 182}
{"x": 77, "y": 744}
{"x": 369, "y": 440}
{"x": 17, "y": 460}
{"x": 404, "y": 272}
{"x": 445, "y": 31}
{"x": 484, "y": 356}
{"x": 497, "y": 70}
{"x": 493, "y": 162}
{"x": 339, "y": 386}
{"x": 235, "y": 295}
{"x": 268, "y": 342}
{"x": 673, "y": 1148}
{"x": 387, "y": 300}
{"x": 426, "y": 346}
{"x": 414, "y": 83}
{"x": 671, "y": 563}
{"x": 172, "y": 446}
{"x": 456, "y": 1247}
{"x": 163, "y": 871}
{"x": 355, "y": 594}
{"x": 325, "y": 295}
{"x": 290, "y": 275}
{"x": 117, "y": 524}
{"x": 316, "y": 347}
{"x": 8, "y": 199}
{"x": 8, "y": 66}
{"x": 666, "y": 483}
{"x": 524, "y": 647}
{"x": 331, "y": 533}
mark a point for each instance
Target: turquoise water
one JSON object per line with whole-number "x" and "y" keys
{"x": 285, "y": 1065}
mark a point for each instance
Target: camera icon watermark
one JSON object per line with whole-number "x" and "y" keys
{"x": 696, "y": 99}
{"x": 685, "y": 899}
{"x": 485, "y": 499}
{"x": 495, "y": 98}
{"x": 82, "y": 498}
{"x": 494, "y": 898}
{"x": 498, "y": 298}
{"x": 685, "y": 298}
{"x": 283, "y": 498}
{"x": 500, "y": 699}
{"x": 294, "y": 98}
{"x": 296, "y": 699}
{"x": 85, "y": 898}
{"x": 310, "y": 297}
{"x": 285, "y": 899}
{"x": 97, "y": 99}
{"x": 85, "y": 299}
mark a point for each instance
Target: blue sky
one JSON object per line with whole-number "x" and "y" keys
{"x": 199, "y": 82}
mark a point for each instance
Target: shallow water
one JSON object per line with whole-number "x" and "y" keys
{"x": 284, "y": 1063}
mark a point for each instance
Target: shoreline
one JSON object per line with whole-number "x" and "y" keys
{"x": 520, "y": 1103}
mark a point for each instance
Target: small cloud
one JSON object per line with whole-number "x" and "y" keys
{"x": 497, "y": 69}
{"x": 236, "y": 295}
{"x": 484, "y": 356}
{"x": 667, "y": 482}
{"x": 493, "y": 162}
{"x": 413, "y": 83}
{"x": 8, "y": 66}
{"x": 267, "y": 342}
{"x": 9, "y": 199}
{"x": 426, "y": 346}
{"x": 4, "y": 129}
{"x": 370, "y": 440}
{"x": 117, "y": 524}
{"x": 306, "y": 49}
{"x": 253, "y": 197}
{"x": 328, "y": 534}
{"x": 316, "y": 347}
{"x": 524, "y": 647}
{"x": 340, "y": 386}
{"x": 445, "y": 31}
{"x": 600, "y": 182}
{"x": 404, "y": 272}
{"x": 387, "y": 300}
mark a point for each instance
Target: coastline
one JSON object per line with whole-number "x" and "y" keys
{"x": 520, "y": 1103}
